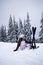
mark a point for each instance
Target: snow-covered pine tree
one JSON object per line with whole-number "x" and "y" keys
{"x": 0, "y": 34}
{"x": 41, "y": 31}
{"x": 27, "y": 28}
{"x": 10, "y": 29}
{"x": 3, "y": 34}
{"x": 15, "y": 31}
{"x": 21, "y": 29}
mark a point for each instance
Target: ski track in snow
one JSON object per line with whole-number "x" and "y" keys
{"x": 25, "y": 57}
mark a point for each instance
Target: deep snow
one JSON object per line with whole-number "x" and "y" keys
{"x": 25, "y": 57}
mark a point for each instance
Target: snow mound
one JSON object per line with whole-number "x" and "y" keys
{"x": 25, "y": 57}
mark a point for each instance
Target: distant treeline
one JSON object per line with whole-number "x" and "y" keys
{"x": 15, "y": 29}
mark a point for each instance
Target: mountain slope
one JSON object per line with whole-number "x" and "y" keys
{"x": 25, "y": 57}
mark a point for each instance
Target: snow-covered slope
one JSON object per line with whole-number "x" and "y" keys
{"x": 25, "y": 57}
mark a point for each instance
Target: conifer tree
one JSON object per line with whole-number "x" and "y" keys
{"x": 27, "y": 28}
{"x": 41, "y": 31}
{"x": 10, "y": 29}
{"x": 21, "y": 30}
{"x": 3, "y": 34}
{"x": 15, "y": 31}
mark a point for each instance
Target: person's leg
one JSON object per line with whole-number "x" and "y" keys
{"x": 18, "y": 44}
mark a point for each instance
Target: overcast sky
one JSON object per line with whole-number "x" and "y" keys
{"x": 19, "y": 9}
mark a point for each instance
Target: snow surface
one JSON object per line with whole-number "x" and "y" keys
{"x": 25, "y": 57}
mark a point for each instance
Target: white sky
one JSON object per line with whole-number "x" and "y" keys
{"x": 19, "y": 9}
